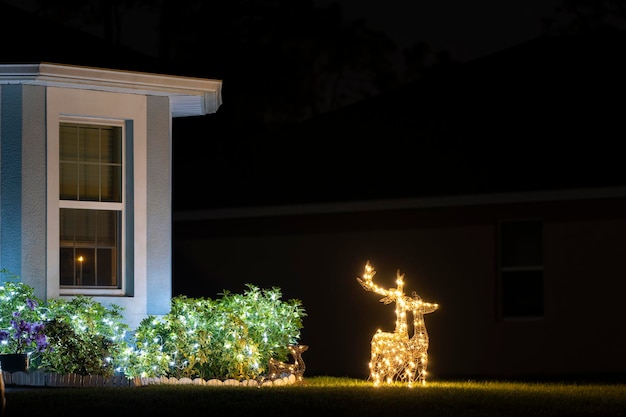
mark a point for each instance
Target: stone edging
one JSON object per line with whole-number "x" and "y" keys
{"x": 47, "y": 379}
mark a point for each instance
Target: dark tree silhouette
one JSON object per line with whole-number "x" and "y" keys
{"x": 581, "y": 16}
{"x": 282, "y": 61}
{"x": 105, "y": 17}
{"x": 290, "y": 59}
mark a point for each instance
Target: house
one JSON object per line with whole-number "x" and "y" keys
{"x": 77, "y": 218}
{"x": 85, "y": 192}
{"x": 497, "y": 188}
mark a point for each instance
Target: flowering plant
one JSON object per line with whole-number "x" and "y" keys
{"x": 22, "y": 319}
{"x": 23, "y": 336}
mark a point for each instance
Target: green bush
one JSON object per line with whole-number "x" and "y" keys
{"x": 22, "y": 319}
{"x": 231, "y": 337}
{"x": 85, "y": 337}
{"x": 234, "y": 336}
{"x": 81, "y": 335}
{"x": 15, "y": 298}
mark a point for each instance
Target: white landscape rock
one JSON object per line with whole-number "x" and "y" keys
{"x": 74, "y": 380}
{"x": 231, "y": 382}
{"x": 214, "y": 382}
{"x": 250, "y": 383}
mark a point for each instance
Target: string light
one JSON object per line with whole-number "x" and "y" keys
{"x": 396, "y": 356}
{"x": 278, "y": 369}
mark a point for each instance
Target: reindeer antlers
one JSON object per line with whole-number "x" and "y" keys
{"x": 367, "y": 283}
{"x": 393, "y": 294}
{"x": 369, "y": 273}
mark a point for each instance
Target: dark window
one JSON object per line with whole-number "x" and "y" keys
{"x": 521, "y": 269}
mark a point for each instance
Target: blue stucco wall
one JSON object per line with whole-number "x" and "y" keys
{"x": 34, "y": 189}
{"x": 10, "y": 178}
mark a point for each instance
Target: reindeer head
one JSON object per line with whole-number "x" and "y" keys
{"x": 396, "y": 295}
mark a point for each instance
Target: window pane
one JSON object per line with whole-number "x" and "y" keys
{"x": 522, "y": 243}
{"x": 106, "y": 268}
{"x": 522, "y": 294}
{"x": 111, "y": 143}
{"x": 67, "y": 227}
{"x": 107, "y": 228}
{"x": 67, "y": 266}
{"x": 90, "y": 248}
{"x": 89, "y": 183}
{"x": 68, "y": 181}
{"x": 111, "y": 184}
{"x": 77, "y": 267}
{"x": 68, "y": 143}
{"x": 89, "y": 144}
{"x": 85, "y": 267}
{"x": 90, "y": 162}
{"x": 85, "y": 227}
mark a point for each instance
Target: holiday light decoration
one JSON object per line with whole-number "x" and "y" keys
{"x": 278, "y": 369}
{"x": 396, "y": 356}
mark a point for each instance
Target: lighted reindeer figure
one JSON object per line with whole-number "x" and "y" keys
{"x": 277, "y": 368}
{"x": 396, "y": 356}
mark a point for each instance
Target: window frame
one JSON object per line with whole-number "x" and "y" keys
{"x": 503, "y": 270}
{"x": 121, "y": 289}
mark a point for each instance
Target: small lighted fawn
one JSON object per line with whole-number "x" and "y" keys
{"x": 277, "y": 368}
{"x": 396, "y": 356}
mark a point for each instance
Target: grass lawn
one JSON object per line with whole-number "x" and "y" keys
{"x": 328, "y": 396}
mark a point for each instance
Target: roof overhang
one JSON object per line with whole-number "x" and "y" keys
{"x": 402, "y": 204}
{"x": 188, "y": 96}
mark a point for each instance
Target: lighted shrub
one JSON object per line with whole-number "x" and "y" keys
{"x": 231, "y": 337}
{"x": 18, "y": 298}
{"x": 85, "y": 337}
{"x": 77, "y": 335}
{"x": 22, "y": 319}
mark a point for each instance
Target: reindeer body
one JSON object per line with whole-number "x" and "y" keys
{"x": 396, "y": 355}
{"x": 387, "y": 361}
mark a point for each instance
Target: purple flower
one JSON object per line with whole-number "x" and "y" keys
{"x": 42, "y": 342}
{"x": 32, "y": 304}
{"x": 23, "y": 336}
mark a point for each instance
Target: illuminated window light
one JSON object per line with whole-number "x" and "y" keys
{"x": 396, "y": 356}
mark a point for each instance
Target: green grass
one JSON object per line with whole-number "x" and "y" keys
{"x": 329, "y": 396}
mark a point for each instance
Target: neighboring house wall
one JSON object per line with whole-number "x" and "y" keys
{"x": 449, "y": 255}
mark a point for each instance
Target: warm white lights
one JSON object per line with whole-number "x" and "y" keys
{"x": 396, "y": 356}
{"x": 277, "y": 368}
{"x": 80, "y": 260}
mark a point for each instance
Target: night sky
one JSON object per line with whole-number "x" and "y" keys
{"x": 284, "y": 63}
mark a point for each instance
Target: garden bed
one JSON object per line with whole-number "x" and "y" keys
{"x": 46, "y": 379}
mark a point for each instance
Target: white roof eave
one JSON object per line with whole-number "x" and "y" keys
{"x": 188, "y": 96}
